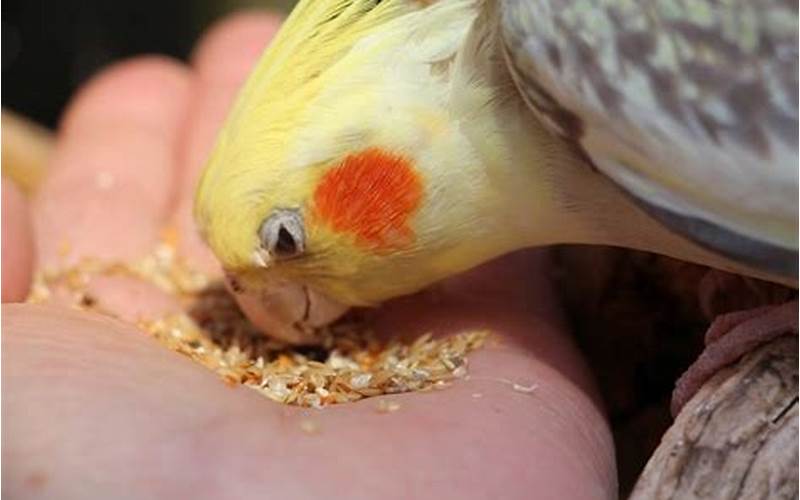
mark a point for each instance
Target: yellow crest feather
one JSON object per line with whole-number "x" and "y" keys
{"x": 315, "y": 36}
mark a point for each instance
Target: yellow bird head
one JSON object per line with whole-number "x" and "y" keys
{"x": 335, "y": 170}
{"x": 381, "y": 145}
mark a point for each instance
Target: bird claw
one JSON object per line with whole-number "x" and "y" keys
{"x": 730, "y": 337}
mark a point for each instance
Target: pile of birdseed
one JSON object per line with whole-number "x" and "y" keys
{"x": 351, "y": 363}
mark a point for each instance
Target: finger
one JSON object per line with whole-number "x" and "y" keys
{"x": 112, "y": 173}
{"x": 222, "y": 61}
{"x": 17, "y": 244}
{"x": 123, "y": 400}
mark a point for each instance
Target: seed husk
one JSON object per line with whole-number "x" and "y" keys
{"x": 353, "y": 363}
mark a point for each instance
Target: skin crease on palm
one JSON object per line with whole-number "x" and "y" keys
{"x": 92, "y": 408}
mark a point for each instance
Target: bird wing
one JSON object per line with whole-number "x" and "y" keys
{"x": 689, "y": 105}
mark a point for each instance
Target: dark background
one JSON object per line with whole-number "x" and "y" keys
{"x": 49, "y": 48}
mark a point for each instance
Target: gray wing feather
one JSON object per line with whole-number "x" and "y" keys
{"x": 690, "y": 105}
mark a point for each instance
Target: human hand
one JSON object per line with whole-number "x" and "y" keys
{"x": 94, "y": 408}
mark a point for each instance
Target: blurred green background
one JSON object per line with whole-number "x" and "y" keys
{"x": 49, "y": 48}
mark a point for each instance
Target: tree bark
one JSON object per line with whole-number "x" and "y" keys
{"x": 737, "y": 438}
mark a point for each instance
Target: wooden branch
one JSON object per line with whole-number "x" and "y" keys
{"x": 737, "y": 438}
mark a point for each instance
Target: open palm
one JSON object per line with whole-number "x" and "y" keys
{"x": 92, "y": 407}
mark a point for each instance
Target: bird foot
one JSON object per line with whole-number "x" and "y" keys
{"x": 730, "y": 337}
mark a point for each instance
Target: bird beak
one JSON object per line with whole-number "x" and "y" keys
{"x": 288, "y": 311}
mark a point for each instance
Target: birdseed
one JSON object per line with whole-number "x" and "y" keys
{"x": 527, "y": 389}
{"x": 385, "y": 406}
{"x": 309, "y": 426}
{"x": 351, "y": 363}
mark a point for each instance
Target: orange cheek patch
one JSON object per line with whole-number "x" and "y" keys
{"x": 371, "y": 195}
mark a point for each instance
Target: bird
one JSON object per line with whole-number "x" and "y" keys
{"x": 380, "y": 146}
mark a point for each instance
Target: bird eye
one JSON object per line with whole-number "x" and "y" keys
{"x": 282, "y": 234}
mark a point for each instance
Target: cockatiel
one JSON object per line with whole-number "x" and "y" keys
{"x": 380, "y": 146}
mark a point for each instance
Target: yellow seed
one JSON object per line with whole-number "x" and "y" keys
{"x": 309, "y": 426}
{"x": 385, "y": 406}
{"x": 214, "y": 333}
{"x": 64, "y": 248}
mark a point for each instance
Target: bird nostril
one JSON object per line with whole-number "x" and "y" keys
{"x": 234, "y": 284}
